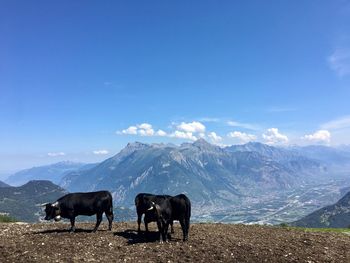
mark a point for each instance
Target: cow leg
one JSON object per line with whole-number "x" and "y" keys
{"x": 72, "y": 223}
{"x": 109, "y": 216}
{"x": 166, "y": 227}
{"x": 161, "y": 231}
{"x": 183, "y": 227}
{"x": 146, "y": 225}
{"x": 139, "y": 215}
{"x": 98, "y": 221}
{"x": 172, "y": 227}
{"x": 187, "y": 222}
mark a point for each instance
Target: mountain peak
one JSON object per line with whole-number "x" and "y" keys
{"x": 130, "y": 148}
{"x": 32, "y": 183}
{"x": 136, "y": 145}
{"x": 201, "y": 142}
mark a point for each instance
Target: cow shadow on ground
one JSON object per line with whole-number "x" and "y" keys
{"x": 57, "y": 231}
{"x": 133, "y": 237}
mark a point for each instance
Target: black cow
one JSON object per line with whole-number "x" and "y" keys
{"x": 88, "y": 204}
{"x": 181, "y": 210}
{"x": 161, "y": 213}
{"x": 166, "y": 211}
{"x": 142, "y": 205}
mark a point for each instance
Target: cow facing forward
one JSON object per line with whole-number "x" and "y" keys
{"x": 167, "y": 210}
{"x": 88, "y": 204}
{"x": 142, "y": 204}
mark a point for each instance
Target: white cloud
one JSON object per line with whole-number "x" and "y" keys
{"x": 242, "y": 125}
{"x": 272, "y": 136}
{"x": 130, "y": 130}
{"x": 192, "y": 127}
{"x": 100, "y": 152}
{"x": 145, "y": 126}
{"x": 183, "y": 135}
{"x": 161, "y": 133}
{"x": 55, "y": 154}
{"x": 243, "y": 137}
{"x": 202, "y": 135}
{"x": 144, "y": 129}
{"x": 214, "y": 137}
{"x": 339, "y": 61}
{"x": 319, "y": 136}
{"x": 337, "y": 124}
{"x": 209, "y": 119}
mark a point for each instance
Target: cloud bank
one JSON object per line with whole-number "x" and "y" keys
{"x": 323, "y": 136}
{"x": 273, "y": 136}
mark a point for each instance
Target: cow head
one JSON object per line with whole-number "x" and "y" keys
{"x": 154, "y": 208}
{"x": 52, "y": 211}
{"x": 151, "y": 206}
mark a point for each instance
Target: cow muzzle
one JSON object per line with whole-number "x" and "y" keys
{"x": 57, "y": 218}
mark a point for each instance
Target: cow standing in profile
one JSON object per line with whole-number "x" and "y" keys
{"x": 88, "y": 204}
{"x": 167, "y": 210}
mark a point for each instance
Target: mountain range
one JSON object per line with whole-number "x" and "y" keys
{"x": 253, "y": 182}
{"x": 212, "y": 176}
{"x": 53, "y": 172}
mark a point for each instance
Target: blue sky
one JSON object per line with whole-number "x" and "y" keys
{"x": 80, "y": 79}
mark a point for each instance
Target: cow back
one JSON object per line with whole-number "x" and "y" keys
{"x": 86, "y": 203}
{"x": 181, "y": 207}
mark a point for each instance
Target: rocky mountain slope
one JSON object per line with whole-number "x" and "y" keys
{"x": 336, "y": 215}
{"x": 212, "y": 176}
{"x": 2, "y": 184}
{"x": 22, "y": 202}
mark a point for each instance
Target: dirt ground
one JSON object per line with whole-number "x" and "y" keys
{"x": 52, "y": 242}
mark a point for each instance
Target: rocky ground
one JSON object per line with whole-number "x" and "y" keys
{"x": 208, "y": 243}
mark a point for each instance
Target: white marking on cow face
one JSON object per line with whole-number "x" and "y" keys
{"x": 55, "y": 204}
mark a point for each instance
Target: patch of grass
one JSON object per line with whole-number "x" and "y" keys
{"x": 307, "y": 229}
{"x": 7, "y": 219}
{"x": 336, "y": 230}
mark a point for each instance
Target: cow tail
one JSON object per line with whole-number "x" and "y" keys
{"x": 111, "y": 204}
